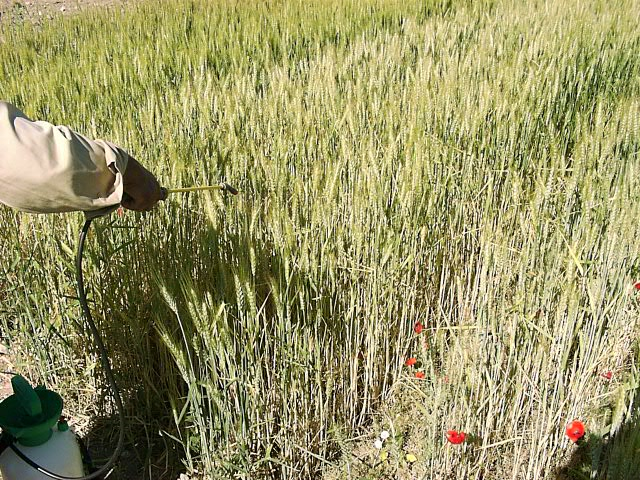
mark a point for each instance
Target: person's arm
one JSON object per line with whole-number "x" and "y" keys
{"x": 46, "y": 168}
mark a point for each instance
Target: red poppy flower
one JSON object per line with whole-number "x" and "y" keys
{"x": 418, "y": 327}
{"x": 575, "y": 430}
{"x": 410, "y": 362}
{"x": 607, "y": 375}
{"x": 120, "y": 211}
{"x": 637, "y": 285}
{"x": 455, "y": 437}
{"x": 419, "y": 374}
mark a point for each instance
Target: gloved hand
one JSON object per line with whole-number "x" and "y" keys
{"x": 141, "y": 189}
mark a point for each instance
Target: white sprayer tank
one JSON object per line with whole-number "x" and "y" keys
{"x": 60, "y": 455}
{"x": 31, "y": 417}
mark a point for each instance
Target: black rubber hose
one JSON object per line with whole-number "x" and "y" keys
{"x": 5, "y": 442}
{"x": 106, "y": 364}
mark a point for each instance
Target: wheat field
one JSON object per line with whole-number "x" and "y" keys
{"x": 471, "y": 166}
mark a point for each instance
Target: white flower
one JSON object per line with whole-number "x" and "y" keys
{"x": 378, "y": 444}
{"x": 384, "y": 435}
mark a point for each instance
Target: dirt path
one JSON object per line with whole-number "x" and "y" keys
{"x": 34, "y": 9}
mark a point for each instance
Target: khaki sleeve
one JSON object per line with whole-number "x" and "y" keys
{"x": 46, "y": 168}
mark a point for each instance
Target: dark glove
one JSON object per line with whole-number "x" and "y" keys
{"x": 141, "y": 189}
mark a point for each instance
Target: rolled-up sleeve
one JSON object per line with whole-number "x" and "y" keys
{"x": 46, "y": 168}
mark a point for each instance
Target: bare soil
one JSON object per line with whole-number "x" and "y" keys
{"x": 36, "y": 9}
{"x": 5, "y": 366}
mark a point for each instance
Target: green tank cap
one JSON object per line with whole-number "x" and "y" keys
{"x": 30, "y": 414}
